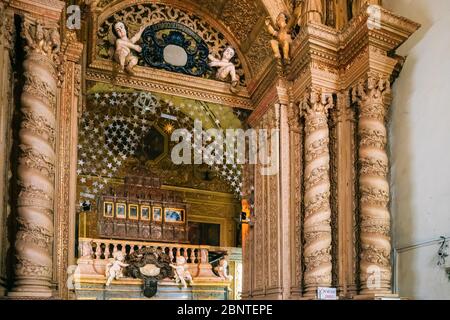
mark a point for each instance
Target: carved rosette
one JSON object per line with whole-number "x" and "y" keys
{"x": 375, "y": 265}
{"x": 36, "y": 163}
{"x": 317, "y": 220}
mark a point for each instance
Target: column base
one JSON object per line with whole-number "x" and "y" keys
{"x": 377, "y": 296}
{"x": 310, "y": 295}
{"x": 31, "y": 289}
{"x": 2, "y": 290}
{"x": 30, "y": 294}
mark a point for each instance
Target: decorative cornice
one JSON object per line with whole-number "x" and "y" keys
{"x": 49, "y": 9}
{"x": 276, "y": 91}
{"x": 386, "y": 34}
{"x": 162, "y": 81}
{"x": 336, "y": 60}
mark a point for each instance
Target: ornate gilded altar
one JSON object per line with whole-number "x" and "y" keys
{"x": 87, "y": 123}
{"x": 140, "y": 210}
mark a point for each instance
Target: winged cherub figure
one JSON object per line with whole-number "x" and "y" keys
{"x": 225, "y": 66}
{"x": 282, "y": 34}
{"x": 123, "y": 54}
{"x": 182, "y": 274}
{"x": 114, "y": 268}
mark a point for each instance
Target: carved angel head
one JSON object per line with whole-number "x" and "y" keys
{"x": 118, "y": 255}
{"x": 181, "y": 260}
{"x": 282, "y": 20}
{"x": 120, "y": 30}
{"x": 55, "y": 40}
{"x": 39, "y": 32}
{"x": 228, "y": 53}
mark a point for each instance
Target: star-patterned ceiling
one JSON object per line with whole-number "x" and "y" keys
{"x": 116, "y": 120}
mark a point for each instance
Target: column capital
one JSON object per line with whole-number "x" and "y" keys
{"x": 344, "y": 111}
{"x": 277, "y": 91}
{"x": 7, "y": 27}
{"x": 43, "y": 44}
{"x": 50, "y": 10}
{"x": 316, "y": 102}
{"x": 372, "y": 95}
{"x": 294, "y": 116}
{"x": 41, "y": 38}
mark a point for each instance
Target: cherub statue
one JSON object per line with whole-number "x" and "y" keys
{"x": 123, "y": 54}
{"x": 114, "y": 267}
{"x": 222, "y": 269}
{"x": 282, "y": 34}
{"x": 226, "y": 67}
{"x": 181, "y": 272}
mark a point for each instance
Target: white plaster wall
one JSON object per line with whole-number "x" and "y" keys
{"x": 420, "y": 148}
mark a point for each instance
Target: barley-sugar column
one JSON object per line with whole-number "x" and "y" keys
{"x": 375, "y": 248}
{"x": 36, "y": 163}
{"x": 317, "y": 219}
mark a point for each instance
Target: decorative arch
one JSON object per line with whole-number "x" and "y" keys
{"x": 213, "y": 32}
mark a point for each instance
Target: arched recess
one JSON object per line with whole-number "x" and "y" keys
{"x": 113, "y": 129}
{"x": 191, "y": 14}
{"x": 240, "y": 21}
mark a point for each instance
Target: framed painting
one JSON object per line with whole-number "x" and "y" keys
{"x": 145, "y": 212}
{"x": 121, "y": 210}
{"x": 174, "y": 215}
{"x": 108, "y": 209}
{"x": 157, "y": 214}
{"x": 133, "y": 211}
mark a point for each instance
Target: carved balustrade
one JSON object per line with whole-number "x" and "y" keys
{"x": 102, "y": 249}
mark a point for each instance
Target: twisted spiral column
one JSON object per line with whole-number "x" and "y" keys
{"x": 317, "y": 220}
{"x": 36, "y": 172}
{"x": 375, "y": 247}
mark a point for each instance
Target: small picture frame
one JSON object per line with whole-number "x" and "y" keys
{"x": 157, "y": 214}
{"x": 133, "y": 211}
{"x": 145, "y": 212}
{"x": 121, "y": 210}
{"x": 174, "y": 215}
{"x": 108, "y": 209}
